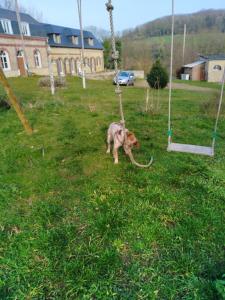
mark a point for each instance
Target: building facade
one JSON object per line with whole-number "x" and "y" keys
{"x": 65, "y": 50}
{"x": 62, "y": 44}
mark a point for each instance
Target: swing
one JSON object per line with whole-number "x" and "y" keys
{"x": 185, "y": 148}
{"x": 115, "y": 57}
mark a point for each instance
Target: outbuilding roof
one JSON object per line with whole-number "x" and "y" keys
{"x": 213, "y": 57}
{"x": 194, "y": 64}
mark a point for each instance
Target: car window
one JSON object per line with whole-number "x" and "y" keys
{"x": 124, "y": 74}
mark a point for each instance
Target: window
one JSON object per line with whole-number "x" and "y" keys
{"x": 7, "y": 26}
{"x": 25, "y": 28}
{"x": 19, "y": 53}
{"x": 91, "y": 41}
{"x": 217, "y": 68}
{"x": 37, "y": 58}
{"x": 4, "y": 59}
{"x": 57, "y": 38}
{"x": 75, "y": 40}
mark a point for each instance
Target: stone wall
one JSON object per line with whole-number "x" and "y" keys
{"x": 214, "y": 74}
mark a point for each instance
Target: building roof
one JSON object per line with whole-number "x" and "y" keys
{"x": 11, "y": 15}
{"x": 38, "y": 29}
{"x": 66, "y": 33}
{"x": 194, "y": 64}
{"x": 213, "y": 57}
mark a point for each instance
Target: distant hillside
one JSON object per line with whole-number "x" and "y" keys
{"x": 205, "y": 20}
{"x": 144, "y": 44}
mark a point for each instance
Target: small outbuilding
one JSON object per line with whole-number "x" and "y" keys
{"x": 209, "y": 68}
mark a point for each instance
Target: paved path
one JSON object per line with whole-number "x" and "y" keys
{"x": 178, "y": 86}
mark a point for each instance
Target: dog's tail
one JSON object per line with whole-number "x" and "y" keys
{"x": 136, "y": 163}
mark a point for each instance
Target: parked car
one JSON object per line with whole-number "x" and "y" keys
{"x": 124, "y": 78}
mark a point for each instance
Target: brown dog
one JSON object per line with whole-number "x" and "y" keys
{"x": 117, "y": 136}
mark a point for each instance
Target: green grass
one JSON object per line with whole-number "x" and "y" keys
{"x": 212, "y": 85}
{"x": 75, "y": 226}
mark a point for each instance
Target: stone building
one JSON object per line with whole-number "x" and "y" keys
{"x": 11, "y": 52}
{"x": 65, "y": 49}
{"x": 63, "y": 44}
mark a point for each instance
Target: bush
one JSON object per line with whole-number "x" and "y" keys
{"x": 45, "y": 82}
{"x": 4, "y": 105}
{"x": 158, "y": 77}
{"x": 220, "y": 287}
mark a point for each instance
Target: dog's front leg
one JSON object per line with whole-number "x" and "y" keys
{"x": 115, "y": 155}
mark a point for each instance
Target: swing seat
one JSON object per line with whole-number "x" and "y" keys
{"x": 185, "y": 148}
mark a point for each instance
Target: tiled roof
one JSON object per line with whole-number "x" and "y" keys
{"x": 11, "y": 15}
{"x": 213, "y": 57}
{"x": 38, "y": 29}
{"x": 66, "y": 33}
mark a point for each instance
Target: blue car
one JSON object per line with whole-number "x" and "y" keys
{"x": 124, "y": 78}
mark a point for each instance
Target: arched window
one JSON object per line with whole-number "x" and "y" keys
{"x": 4, "y": 59}
{"x": 217, "y": 68}
{"x": 37, "y": 58}
{"x": 60, "y": 67}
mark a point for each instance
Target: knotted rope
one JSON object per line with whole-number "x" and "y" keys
{"x": 118, "y": 91}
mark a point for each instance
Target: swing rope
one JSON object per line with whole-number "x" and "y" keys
{"x": 171, "y": 77}
{"x": 170, "y": 133}
{"x": 218, "y": 112}
{"x": 115, "y": 57}
{"x": 118, "y": 91}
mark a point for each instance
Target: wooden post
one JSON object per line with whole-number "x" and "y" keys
{"x": 184, "y": 43}
{"x": 147, "y": 100}
{"x": 14, "y": 102}
{"x": 158, "y": 93}
{"x": 79, "y": 5}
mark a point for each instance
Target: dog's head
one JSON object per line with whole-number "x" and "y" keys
{"x": 132, "y": 140}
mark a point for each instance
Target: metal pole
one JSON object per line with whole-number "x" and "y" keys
{"x": 22, "y": 37}
{"x": 184, "y": 42}
{"x": 79, "y": 5}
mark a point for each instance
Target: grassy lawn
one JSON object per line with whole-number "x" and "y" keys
{"x": 205, "y": 84}
{"x": 75, "y": 226}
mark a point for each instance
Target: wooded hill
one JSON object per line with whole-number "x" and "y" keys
{"x": 205, "y": 20}
{"x": 144, "y": 44}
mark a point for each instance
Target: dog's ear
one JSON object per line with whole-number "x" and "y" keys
{"x": 129, "y": 134}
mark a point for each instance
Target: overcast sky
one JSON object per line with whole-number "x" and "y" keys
{"x": 128, "y": 13}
